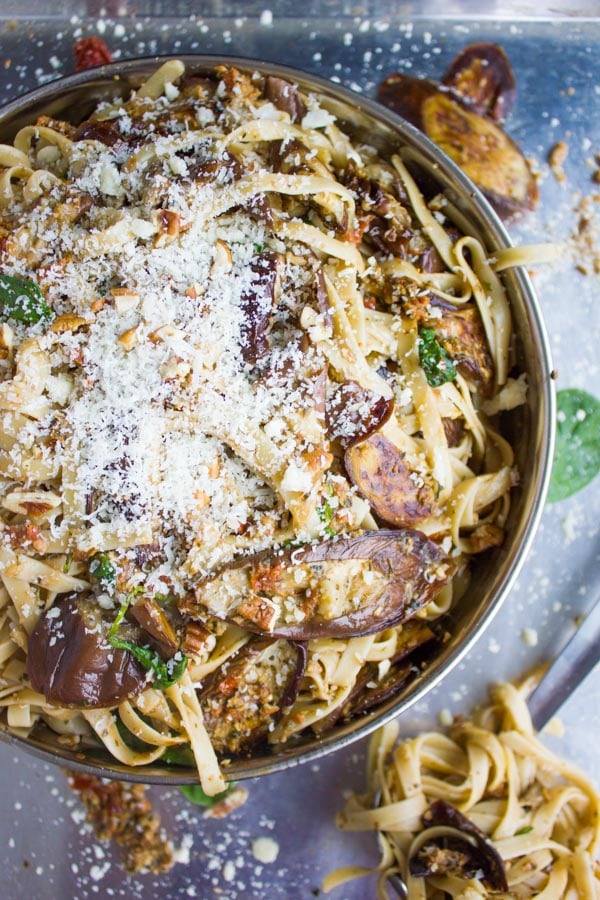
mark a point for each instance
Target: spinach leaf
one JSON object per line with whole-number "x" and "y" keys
{"x": 577, "y": 453}
{"x": 195, "y": 793}
{"x": 178, "y": 755}
{"x": 102, "y": 569}
{"x": 22, "y": 300}
{"x": 433, "y": 359}
{"x": 164, "y": 674}
{"x": 133, "y": 742}
{"x": 123, "y": 610}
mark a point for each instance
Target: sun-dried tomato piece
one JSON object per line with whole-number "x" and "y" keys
{"x": 90, "y": 52}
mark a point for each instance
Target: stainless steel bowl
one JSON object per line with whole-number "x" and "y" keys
{"x": 531, "y": 426}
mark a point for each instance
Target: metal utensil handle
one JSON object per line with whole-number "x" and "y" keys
{"x": 568, "y": 670}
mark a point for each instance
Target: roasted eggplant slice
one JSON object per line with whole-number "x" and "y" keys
{"x": 71, "y": 662}
{"x": 353, "y": 412}
{"x": 476, "y": 143}
{"x": 454, "y": 429}
{"x": 460, "y": 331}
{"x": 339, "y": 588}
{"x": 285, "y": 96}
{"x": 469, "y": 854}
{"x": 257, "y": 303}
{"x": 482, "y": 75}
{"x": 155, "y": 622}
{"x": 246, "y": 696}
{"x": 377, "y": 468}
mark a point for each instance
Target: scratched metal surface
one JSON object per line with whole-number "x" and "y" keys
{"x": 47, "y": 852}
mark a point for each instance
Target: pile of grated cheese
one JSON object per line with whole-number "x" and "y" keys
{"x": 154, "y": 414}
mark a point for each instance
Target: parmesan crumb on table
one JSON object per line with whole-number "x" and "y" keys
{"x": 556, "y": 158}
{"x": 445, "y": 718}
{"x": 529, "y": 637}
{"x": 265, "y": 849}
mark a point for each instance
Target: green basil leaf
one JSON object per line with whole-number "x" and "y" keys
{"x": 433, "y": 359}
{"x": 164, "y": 674}
{"x": 196, "y": 795}
{"x": 577, "y": 452}
{"x": 22, "y": 300}
{"x": 525, "y": 830}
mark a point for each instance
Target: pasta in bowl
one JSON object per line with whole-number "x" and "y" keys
{"x": 268, "y": 410}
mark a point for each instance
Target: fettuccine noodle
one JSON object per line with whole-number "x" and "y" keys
{"x": 538, "y": 812}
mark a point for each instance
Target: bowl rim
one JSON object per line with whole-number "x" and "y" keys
{"x": 359, "y": 728}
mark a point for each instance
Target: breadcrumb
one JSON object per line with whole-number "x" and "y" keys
{"x": 122, "y": 812}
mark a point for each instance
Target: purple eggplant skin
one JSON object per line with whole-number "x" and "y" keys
{"x": 481, "y": 73}
{"x": 285, "y": 96}
{"x": 416, "y": 644}
{"x": 71, "y": 662}
{"x": 415, "y": 568}
{"x": 353, "y": 413}
{"x": 104, "y": 132}
{"x": 478, "y": 856}
{"x": 239, "y": 710}
{"x": 257, "y": 303}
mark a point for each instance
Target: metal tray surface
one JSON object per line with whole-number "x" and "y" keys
{"x": 558, "y": 84}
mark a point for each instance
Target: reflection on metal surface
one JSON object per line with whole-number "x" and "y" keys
{"x": 574, "y": 663}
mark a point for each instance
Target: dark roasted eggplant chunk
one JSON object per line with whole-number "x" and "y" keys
{"x": 454, "y": 429}
{"x": 476, "y": 143}
{"x": 469, "y": 853}
{"x": 323, "y": 302}
{"x": 71, "y": 662}
{"x": 257, "y": 303}
{"x": 339, "y": 588}
{"x": 246, "y": 696}
{"x": 353, "y": 412}
{"x": 225, "y": 169}
{"x": 415, "y": 644}
{"x": 482, "y": 75}
{"x": 460, "y": 331}
{"x": 377, "y": 468}
{"x": 285, "y": 96}
{"x": 105, "y": 132}
{"x": 153, "y": 619}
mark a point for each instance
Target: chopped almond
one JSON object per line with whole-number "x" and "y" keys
{"x": 68, "y": 323}
{"x": 129, "y": 338}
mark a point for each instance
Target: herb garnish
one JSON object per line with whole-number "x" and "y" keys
{"x": 22, "y": 300}
{"x": 164, "y": 674}
{"x": 433, "y": 359}
{"x": 325, "y": 513}
{"x": 577, "y": 452}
